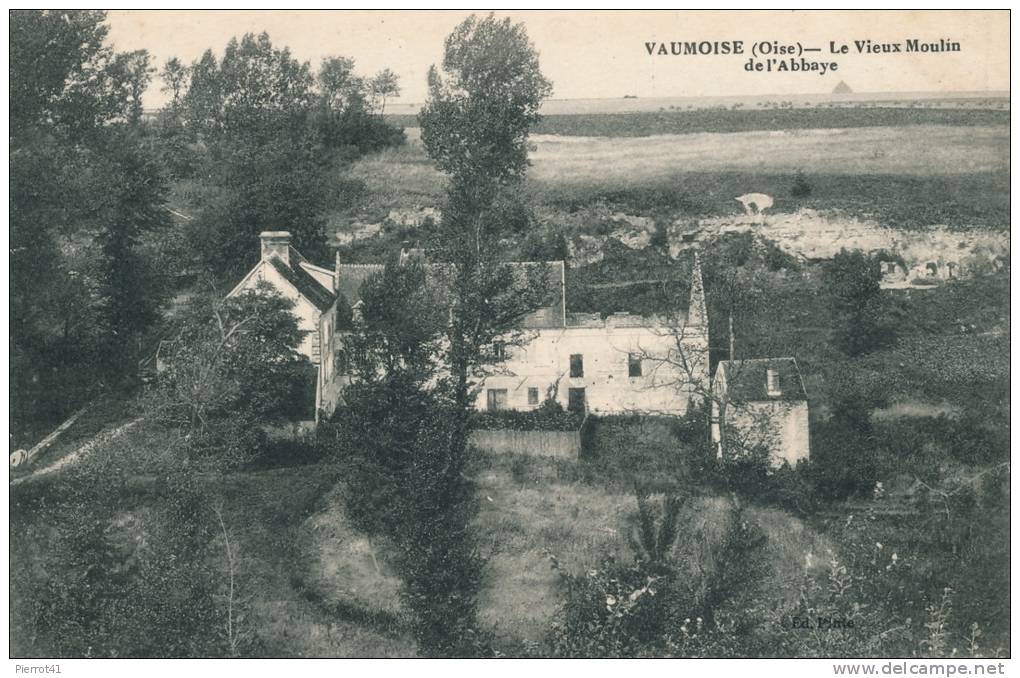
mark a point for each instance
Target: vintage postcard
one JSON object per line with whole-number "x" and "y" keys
{"x": 510, "y": 334}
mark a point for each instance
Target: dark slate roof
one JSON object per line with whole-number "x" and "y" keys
{"x": 304, "y": 282}
{"x": 746, "y": 380}
{"x": 353, "y": 276}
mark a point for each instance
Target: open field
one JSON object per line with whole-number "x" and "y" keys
{"x": 651, "y": 123}
{"x": 914, "y": 150}
{"x": 907, "y": 177}
{"x": 988, "y": 99}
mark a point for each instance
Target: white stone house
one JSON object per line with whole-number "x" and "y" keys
{"x": 621, "y": 364}
{"x": 312, "y": 289}
{"x": 760, "y": 403}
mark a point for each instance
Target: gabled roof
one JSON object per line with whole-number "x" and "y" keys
{"x": 302, "y": 280}
{"x": 747, "y": 380}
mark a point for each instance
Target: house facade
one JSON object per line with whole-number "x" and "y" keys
{"x": 760, "y": 404}
{"x": 619, "y": 364}
{"x": 312, "y": 289}
{"x": 615, "y": 365}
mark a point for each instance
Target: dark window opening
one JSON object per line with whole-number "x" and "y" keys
{"x": 575, "y": 400}
{"x": 633, "y": 364}
{"x": 576, "y": 365}
{"x": 499, "y": 350}
{"x": 496, "y": 399}
{"x": 532, "y": 396}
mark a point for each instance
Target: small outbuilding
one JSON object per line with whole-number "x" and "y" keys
{"x": 760, "y": 404}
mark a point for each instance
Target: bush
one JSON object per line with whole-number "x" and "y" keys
{"x": 801, "y": 188}
{"x": 128, "y": 579}
{"x": 549, "y": 416}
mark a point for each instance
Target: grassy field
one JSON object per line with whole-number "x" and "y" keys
{"x": 531, "y": 509}
{"x": 907, "y": 177}
{"x": 652, "y": 123}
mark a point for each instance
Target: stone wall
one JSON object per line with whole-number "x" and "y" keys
{"x": 558, "y": 444}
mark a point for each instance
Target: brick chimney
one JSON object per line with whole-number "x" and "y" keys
{"x": 276, "y": 243}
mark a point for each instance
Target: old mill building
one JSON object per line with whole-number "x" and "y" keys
{"x": 620, "y": 364}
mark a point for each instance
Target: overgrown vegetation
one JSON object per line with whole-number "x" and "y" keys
{"x": 199, "y": 536}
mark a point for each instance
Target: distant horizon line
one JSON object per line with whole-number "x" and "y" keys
{"x": 775, "y": 94}
{"x": 955, "y": 92}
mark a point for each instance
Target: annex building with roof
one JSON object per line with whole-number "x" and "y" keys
{"x": 760, "y": 404}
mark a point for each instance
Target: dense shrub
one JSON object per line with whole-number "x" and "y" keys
{"x": 642, "y": 608}
{"x": 124, "y": 578}
{"x": 801, "y": 187}
{"x": 549, "y": 416}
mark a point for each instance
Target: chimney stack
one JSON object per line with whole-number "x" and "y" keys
{"x": 276, "y": 243}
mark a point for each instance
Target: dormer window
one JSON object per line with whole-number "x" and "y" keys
{"x": 772, "y": 382}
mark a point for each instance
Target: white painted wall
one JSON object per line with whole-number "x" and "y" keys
{"x": 608, "y": 387}
{"x": 306, "y": 313}
{"x": 780, "y": 425}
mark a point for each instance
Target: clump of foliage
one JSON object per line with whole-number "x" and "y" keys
{"x": 230, "y": 370}
{"x": 266, "y": 136}
{"x": 851, "y": 280}
{"x": 651, "y": 606}
{"x": 85, "y": 193}
{"x": 801, "y": 187}
{"x": 403, "y": 445}
{"x": 133, "y": 566}
{"x": 549, "y": 416}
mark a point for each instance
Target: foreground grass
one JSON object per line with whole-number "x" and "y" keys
{"x": 264, "y": 513}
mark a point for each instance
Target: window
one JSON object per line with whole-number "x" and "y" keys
{"x": 496, "y": 399}
{"x": 532, "y": 396}
{"x": 499, "y": 350}
{"x": 575, "y": 400}
{"x": 772, "y": 381}
{"x": 340, "y": 359}
{"x": 576, "y": 365}
{"x": 633, "y": 365}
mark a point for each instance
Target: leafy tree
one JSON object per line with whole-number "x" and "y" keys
{"x": 409, "y": 421}
{"x": 344, "y": 113}
{"x": 175, "y": 76}
{"x": 385, "y": 84}
{"x": 475, "y": 127}
{"x": 255, "y": 89}
{"x": 82, "y": 195}
{"x": 59, "y": 73}
{"x": 133, "y": 73}
{"x": 230, "y": 370}
{"x": 482, "y": 105}
{"x": 405, "y": 448}
{"x": 339, "y": 87}
{"x": 851, "y": 280}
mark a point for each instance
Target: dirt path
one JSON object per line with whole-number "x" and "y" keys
{"x": 73, "y": 457}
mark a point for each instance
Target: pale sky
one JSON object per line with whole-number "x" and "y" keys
{"x": 594, "y": 54}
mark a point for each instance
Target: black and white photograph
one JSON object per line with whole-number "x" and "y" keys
{"x": 521, "y": 334}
